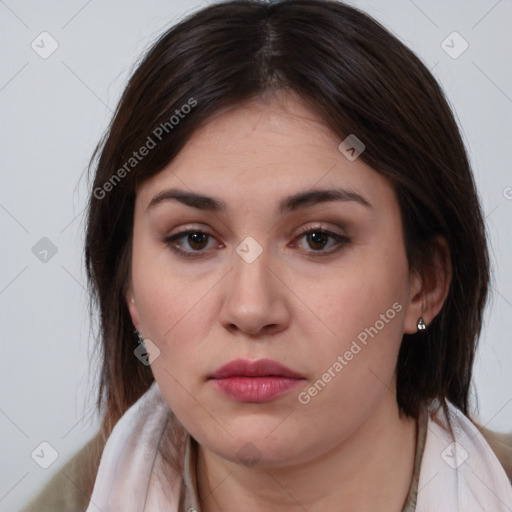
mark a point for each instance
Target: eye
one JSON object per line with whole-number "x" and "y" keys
{"x": 195, "y": 243}
{"x": 322, "y": 241}
{"x": 191, "y": 243}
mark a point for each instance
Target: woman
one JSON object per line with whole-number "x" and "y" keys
{"x": 284, "y": 211}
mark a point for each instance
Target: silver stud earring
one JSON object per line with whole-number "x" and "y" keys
{"x": 421, "y": 324}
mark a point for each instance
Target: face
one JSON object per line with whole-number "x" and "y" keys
{"x": 263, "y": 246}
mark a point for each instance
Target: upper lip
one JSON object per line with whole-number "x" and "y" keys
{"x": 258, "y": 368}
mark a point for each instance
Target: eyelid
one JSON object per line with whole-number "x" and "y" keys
{"x": 317, "y": 227}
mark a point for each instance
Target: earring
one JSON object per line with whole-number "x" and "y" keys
{"x": 421, "y": 324}
{"x": 140, "y": 338}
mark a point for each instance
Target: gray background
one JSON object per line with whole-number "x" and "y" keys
{"x": 53, "y": 112}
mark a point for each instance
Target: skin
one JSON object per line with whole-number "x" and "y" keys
{"x": 347, "y": 448}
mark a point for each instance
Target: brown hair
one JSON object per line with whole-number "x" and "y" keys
{"x": 360, "y": 79}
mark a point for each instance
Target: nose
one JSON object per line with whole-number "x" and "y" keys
{"x": 255, "y": 299}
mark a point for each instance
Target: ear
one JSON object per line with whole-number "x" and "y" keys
{"x": 429, "y": 288}
{"x": 132, "y": 308}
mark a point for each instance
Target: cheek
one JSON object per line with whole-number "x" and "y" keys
{"x": 167, "y": 298}
{"x": 178, "y": 324}
{"x": 359, "y": 326}
{"x": 177, "y": 304}
{"x": 176, "y": 313}
{"x": 369, "y": 292}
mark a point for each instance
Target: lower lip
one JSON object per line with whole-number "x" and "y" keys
{"x": 255, "y": 389}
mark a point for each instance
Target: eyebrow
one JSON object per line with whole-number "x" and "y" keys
{"x": 292, "y": 203}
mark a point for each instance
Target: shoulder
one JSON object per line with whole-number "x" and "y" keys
{"x": 491, "y": 447}
{"x": 71, "y": 487}
{"x": 459, "y": 470}
{"x": 501, "y": 445}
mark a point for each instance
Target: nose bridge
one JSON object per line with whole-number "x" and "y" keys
{"x": 253, "y": 299}
{"x": 250, "y": 279}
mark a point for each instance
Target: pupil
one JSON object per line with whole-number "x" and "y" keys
{"x": 197, "y": 239}
{"x": 318, "y": 240}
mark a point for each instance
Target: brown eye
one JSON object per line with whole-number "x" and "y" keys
{"x": 317, "y": 240}
{"x": 197, "y": 241}
{"x": 192, "y": 244}
{"x": 321, "y": 242}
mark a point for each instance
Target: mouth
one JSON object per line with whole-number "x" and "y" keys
{"x": 254, "y": 381}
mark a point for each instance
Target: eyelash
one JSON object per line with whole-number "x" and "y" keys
{"x": 341, "y": 241}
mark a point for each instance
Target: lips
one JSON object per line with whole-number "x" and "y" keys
{"x": 254, "y": 381}
{"x": 259, "y": 368}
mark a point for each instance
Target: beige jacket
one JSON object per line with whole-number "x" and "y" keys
{"x": 71, "y": 488}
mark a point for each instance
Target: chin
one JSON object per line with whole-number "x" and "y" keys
{"x": 256, "y": 448}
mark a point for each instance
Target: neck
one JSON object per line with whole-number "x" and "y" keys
{"x": 370, "y": 470}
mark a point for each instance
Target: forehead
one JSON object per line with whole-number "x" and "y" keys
{"x": 282, "y": 116}
{"x": 262, "y": 149}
